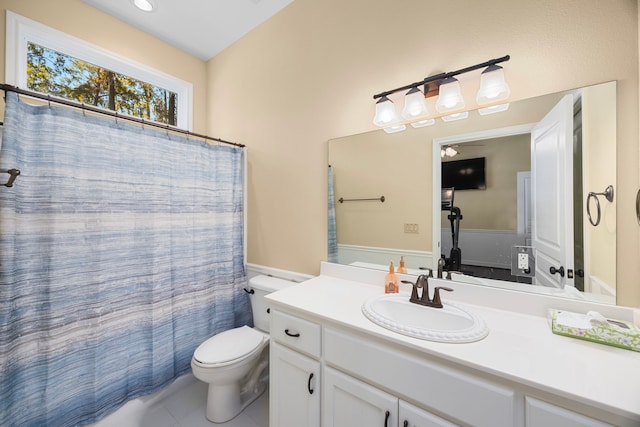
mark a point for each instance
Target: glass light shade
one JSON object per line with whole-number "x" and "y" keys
{"x": 414, "y": 105}
{"x": 493, "y": 109}
{"x": 394, "y": 129}
{"x": 450, "y": 151}
{"x": 450, "y": 98}
{"x": 386, "y": 114}
{"x": 144, "y": 5}
{"x": 493, "y": 87}
{"x": 455, "y": 116}
{"x": 423, "y": 123}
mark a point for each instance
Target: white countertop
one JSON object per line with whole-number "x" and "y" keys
{"x": 520, "y": 345}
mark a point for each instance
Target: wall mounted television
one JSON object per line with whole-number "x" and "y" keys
{"x": 467, "y": 174}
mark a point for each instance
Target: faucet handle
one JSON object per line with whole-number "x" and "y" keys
{"x": 436, "y": 296}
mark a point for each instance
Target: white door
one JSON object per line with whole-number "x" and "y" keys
{"x": 294, "y": 395}
{"x": 552, "y": 189}
{"x": 348, "y": 402}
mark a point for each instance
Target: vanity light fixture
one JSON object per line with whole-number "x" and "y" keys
{"x": 394, "y": 129}
{"x": 450, "y": 98}
{"x": 386, "y": 114}
{"x": 493, "y": 109}
{"x": 414, "y": 105}
{"x": 493, "y": 89}
{"x": 455, "y": 116}
{"x": 448, "y": 151}
{"x": 423, "y": 123}
{"x": 144, "y": 5}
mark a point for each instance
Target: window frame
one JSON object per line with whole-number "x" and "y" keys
{"x": 21, "y": 31}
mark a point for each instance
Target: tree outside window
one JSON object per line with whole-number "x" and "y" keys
{"x": 71, "y": 78}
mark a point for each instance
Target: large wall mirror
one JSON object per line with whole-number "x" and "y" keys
{"x": 535, "y": 192}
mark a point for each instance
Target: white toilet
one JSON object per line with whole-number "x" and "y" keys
{"x": 234, "y": 362}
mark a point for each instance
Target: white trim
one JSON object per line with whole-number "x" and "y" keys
{"x": 524, "y": 203}
{"x": 21, "y": 30}
{"x": 437, "y": 168}
{"x": 256, "y": 269}
{"x": 358, "y": 255}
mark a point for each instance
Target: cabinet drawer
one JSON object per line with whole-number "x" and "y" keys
{"x": 462, "y": 396}
{"x": 299, "y": 334}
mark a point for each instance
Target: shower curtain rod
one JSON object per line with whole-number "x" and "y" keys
{"x": 8, "y": 88}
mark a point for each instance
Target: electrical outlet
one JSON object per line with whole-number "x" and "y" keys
{"x": 523, "y": 261}
{"x": 411, "y": 228}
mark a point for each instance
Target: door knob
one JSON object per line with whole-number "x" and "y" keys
{"x": 554, "y": 270}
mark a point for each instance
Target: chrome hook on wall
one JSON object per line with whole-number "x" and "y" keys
{"x": 608, "y": 194}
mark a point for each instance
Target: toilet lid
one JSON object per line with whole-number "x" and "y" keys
{"x": 229, "y": 345}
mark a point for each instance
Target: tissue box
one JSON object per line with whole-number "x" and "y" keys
{"x": 594, "y": 327}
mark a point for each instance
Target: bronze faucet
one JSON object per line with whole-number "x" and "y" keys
{"x": 422, "y": 287}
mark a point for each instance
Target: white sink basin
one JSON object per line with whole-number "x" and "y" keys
{"x": 451, "y": 323}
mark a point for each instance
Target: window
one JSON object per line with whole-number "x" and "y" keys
{"x": 45, "y": 60}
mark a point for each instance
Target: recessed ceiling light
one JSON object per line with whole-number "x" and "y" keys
{"x": 144, "y": 5}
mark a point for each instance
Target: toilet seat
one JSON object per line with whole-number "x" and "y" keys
{"x": 229, "y": 346}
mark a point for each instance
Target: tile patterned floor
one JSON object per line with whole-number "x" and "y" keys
{"x": 182, "y": 404}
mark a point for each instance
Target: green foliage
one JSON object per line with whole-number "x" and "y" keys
{"x": 71, "y": 78}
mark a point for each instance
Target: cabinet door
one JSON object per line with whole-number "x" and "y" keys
{"x": 294, "y": 397}
{"x": 543, "y": 414}
{"x": 411, "y": 416}
{"x": 348, "y": 402}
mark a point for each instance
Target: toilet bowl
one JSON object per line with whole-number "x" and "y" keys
{"x": 234, "y": 362}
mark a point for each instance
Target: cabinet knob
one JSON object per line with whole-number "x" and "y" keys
{"x": 386, "y": 418}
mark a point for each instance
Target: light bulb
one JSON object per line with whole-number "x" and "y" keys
{"x": 144, "y": 5}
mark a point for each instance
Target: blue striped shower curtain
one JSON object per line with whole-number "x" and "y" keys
{"x": 333, "y": 242}
{"x": 121, "y": 250}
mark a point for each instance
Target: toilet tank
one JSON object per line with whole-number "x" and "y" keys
{"x": 261, "y": 286}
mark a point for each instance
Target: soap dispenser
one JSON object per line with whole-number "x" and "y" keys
{"x": 401, "y": 268}
{"x": 391, "y": 282}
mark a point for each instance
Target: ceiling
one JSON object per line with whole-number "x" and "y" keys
{"x": 202, "y": 28}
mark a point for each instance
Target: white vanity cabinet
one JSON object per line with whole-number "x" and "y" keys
{"x": 330, "y": 366}
{"x": 294, "y": 386}
{"x": 542, "y": 414}
{"x": 348, "y": 402}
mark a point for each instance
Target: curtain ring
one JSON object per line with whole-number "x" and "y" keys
{"x": 116, "y": 116}
{"x": 83, "y": 110}
{"x": 49, "y": 100}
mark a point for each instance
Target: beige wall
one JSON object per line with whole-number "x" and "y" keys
{"x": 597, "y": 135}
{"x": 496, "y": 207}
{"x": 87, "y": 23}
{"x": 308, "y": 75}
